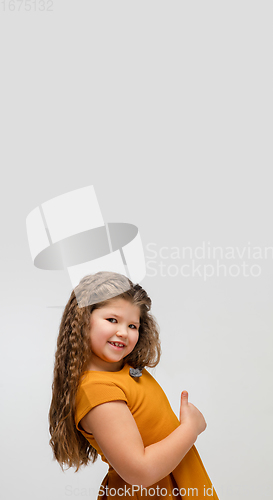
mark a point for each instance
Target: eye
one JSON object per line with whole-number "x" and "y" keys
{"x": 133, "y": 327}
{"x": 111, "y": 320}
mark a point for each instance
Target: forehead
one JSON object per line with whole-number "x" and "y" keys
{"x": 121, "y": 306}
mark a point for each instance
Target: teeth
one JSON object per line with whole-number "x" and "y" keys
{"x": 116, "y": 344}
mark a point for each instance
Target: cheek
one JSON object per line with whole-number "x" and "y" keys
{"x": 96, "y": 339}
{"x": 135, "y": 339}
{"x": 92, "y": 342}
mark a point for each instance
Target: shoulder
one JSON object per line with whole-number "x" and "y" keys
{"x": 96, "y": 388}
{"x": 98, "y": 385}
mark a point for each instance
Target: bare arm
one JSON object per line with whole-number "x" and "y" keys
{"x": 116, "y": 433}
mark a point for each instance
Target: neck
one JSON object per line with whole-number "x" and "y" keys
{"x": 98, "y": 364}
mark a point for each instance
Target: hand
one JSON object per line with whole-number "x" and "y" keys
{"x": 190, "y": 414}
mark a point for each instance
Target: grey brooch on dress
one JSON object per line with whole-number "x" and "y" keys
{"x": 135, "y": 372}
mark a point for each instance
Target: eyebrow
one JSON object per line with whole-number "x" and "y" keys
{"x": 117, "y": 316}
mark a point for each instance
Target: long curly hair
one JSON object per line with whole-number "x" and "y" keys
{"x": 73, "y": 354}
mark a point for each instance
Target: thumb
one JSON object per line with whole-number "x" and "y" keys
{"x": 184, "y": 397}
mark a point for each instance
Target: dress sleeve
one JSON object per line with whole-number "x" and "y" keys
{"x": 95, "y": 393}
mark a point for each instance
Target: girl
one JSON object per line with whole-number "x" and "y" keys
{"x": 105, "y": 402}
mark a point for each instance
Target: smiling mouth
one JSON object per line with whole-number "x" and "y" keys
{"x": 117, "y": 344}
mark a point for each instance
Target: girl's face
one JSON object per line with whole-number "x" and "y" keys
{"x": 113, "y": 334}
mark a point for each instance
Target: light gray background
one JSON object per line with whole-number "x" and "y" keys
{"x": 166, "y": 108}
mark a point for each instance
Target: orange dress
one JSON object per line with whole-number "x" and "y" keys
{"x": 155, "y": 420}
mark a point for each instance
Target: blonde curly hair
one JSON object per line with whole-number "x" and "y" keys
{"x": 73, "y": 353}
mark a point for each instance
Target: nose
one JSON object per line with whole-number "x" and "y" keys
{"x": 122, "y": 332}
